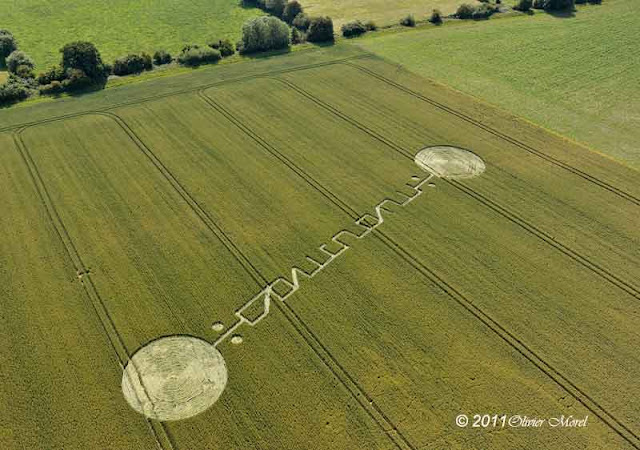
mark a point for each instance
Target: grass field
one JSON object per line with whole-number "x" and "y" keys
{"x": 160, "y": 208}
{"x": 381, "y": 11}
{"x": 546, "y": 69}
{"x": 42, "y": 27}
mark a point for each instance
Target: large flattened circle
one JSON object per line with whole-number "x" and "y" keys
{"x": 174, "y": 378}
{"x": 450, "y": 162}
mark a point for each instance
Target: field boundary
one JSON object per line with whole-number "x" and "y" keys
{"x": 603, "y": 184}
{"x": 563, "y": 382}
{"x": 501, "y": 210}
{"x": 158, "y": 430}
{"x": 181, "y": 92}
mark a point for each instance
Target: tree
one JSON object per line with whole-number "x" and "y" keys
{"x": 523, "y": 5}
{"x": 161, "y": 57}
{"x": 226, "y": 48}
{"x": 275, "y": 7}
{"x": 436, "y": 17}
{"x": 301, "y": 22}
{"x": 13, "y": 90}
{"x": 291, "y": 10}
{"x": 8, "y": 44}
{"x": 297, "y": 37}
{"x": 558, "y": 5}
{"x": 264, "y": 33}
{"x": 465, "y": 11}
{"x": 76, "y": 80}
{"x": 19, "y": 60}
{"x": 484, "y": 11}
{"x": 370, "y": 25}
{"x": 408, "y": 21}
{"x": 320, "y": 30}
{"x": 84, "y": 56}
{"x": 132, "y": 63}
{"x": 55, "y": 73}
{"x": 194, "y": 55}
{"x": 353, "y": 29}
{"x": 554, "y": 5}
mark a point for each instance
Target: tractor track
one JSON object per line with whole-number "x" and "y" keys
{"x": 556, "y": 376}
{"x": 158, "y": 430}
{"x": 314, "y": 342}
{"x": 496, "y": 207}
{"x": 603, "y": 184}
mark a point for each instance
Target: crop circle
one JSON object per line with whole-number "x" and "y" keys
{"x": 450, "y": 162}
{"x": 174, "y": 378}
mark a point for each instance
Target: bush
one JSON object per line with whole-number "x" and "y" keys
{"x": 53, "y": 88}
{"x": 538, "y": 4}
{"x": 84, "y": 56}
{"x": 275, "y": 7}
{"x": 263, "y": 34}
{"x": 523, "y": 5}
{"x": 291, "y": 11}
{"x": 161, "y": 57}
{"x": 13, "y": 90}
{"x": 320, "y": 30}
{"x": 25, "y": 71}
{"x": 352, "y": 29}
{"x": 408, "y": 21}
{"x": 194, "y": 55}
{"x": 302, "y": 22}
{"x": 484, "y": 11}
{"x": 465, "y": 11}
{"x": 225, "y": 46}
{"x": 297, "y": 36}
{"x": 558, "y": 5}
{"x": 76, "y": 80}
{"x": 8, "y": 44}
{"x": 19, "y": 58}
{"x": 436, "y": 17}
{"x": 132, "y": 63}
{"x": 370, "y": 25}
{"x": 55, "y": 73}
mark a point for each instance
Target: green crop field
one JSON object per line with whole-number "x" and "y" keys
{"x": 550, "y": 70}
{"x": 274, "y": 211}
{"x": 117, "y": 27}
{"x": 382, "y": 12}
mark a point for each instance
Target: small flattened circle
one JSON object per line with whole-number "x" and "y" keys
{"x": 450, "y": 162}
